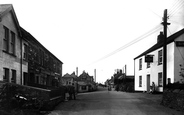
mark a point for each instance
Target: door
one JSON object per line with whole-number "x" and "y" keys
{"x": 148, "y": 83}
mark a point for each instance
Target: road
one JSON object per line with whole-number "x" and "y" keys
{"x": 103, "y": 102}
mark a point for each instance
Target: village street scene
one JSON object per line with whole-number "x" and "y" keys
{"x": 92, "y": 57}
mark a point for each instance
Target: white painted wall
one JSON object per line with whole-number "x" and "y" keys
{"x": 178, "y": 59}
{"x": 154, "y": 69}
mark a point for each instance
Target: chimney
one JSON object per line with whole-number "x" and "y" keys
{"x": 160, "y": 37}
{"x": 77, "y": 71}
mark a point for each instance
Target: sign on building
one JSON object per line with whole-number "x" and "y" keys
{"x": 179, "y": 43}
{"x": 148, "y": 58}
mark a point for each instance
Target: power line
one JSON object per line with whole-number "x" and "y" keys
{"x": 155, "y": 29}
{"x": 174, "y": 6}
{"x": 179, "y": 5}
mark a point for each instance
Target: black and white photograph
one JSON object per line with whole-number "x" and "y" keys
{"x": 92, "y": 57}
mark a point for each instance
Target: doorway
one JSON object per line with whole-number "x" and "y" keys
{"x": 148, "y": 83}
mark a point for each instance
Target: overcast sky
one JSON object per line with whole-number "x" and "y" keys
{"x": 81, "y": 33}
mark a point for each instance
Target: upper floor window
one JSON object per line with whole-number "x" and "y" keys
{"x": 9, "y": 41}
{"x": 140, "y": 64}
{"x": 25, "y": 55}
{"x": 6, "y": 39}
{"x": 148, "y": 64}
{"x": 160, "y": 57}
{"x": 12, "y": 43}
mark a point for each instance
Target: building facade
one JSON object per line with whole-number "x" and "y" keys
{"x": 12, "y": 66}
{"x": 152, "y": 71}
{"x": 43, "y": 67}
{"x": 24, "y": 60}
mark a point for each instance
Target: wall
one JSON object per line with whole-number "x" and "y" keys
{"x": 179, "y": 59}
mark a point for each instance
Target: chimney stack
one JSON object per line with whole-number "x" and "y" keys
{"x": 160, "y": 37}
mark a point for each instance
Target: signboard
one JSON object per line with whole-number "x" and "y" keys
{"x": 148, "y": 58}
{"x": 179, "y": 43}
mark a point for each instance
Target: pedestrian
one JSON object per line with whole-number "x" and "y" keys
{"x": 153, "y": 87}
{"x": 66, "y": 94}
{"x": 72, "y": 92}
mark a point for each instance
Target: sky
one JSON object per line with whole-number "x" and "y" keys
{"x": 93, "y": 34}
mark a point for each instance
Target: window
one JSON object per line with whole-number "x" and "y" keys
{"x": 25, "y": 52}
{"x": 148, "y": 64}
{"x": 6, "y": 39}
{"x": 12, "y": 43}
{"x": 160, "y": 57}
{"x": 6, "y": 74}
{"x": 160, "y": 80}
{"x": 140, "y": 64}
{"x": 13, "y": 79}
{"x": 140, "y": 81}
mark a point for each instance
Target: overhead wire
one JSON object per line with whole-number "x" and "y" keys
{"x": 179, "y": 5}
{"x": 155, "y": 29}
{"x": 174, "y": 6}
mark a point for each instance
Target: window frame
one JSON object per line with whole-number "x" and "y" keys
{"x": 6, "y": 74}
{"x": 14, "y": 75}
{"x": 160, "y": 57}
{"x": 25, "y": 54}
{"x": 160, "y": 79}
{"x": 140, "y": 64}
{"x": 12, "y": 43}
{"x": 140, "y": 81}
{"x": 6, "y": 39}
{"x": 148, "y": 64}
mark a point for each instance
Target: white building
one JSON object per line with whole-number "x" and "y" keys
{"x": 146, "y": 73}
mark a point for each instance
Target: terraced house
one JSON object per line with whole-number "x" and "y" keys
{"x": 150, "y": 71}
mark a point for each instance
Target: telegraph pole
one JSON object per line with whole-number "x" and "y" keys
{"x": 165, "y": 48}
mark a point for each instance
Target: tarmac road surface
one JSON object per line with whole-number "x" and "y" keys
{"x": 104, "y": 102}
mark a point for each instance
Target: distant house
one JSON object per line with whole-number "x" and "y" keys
{"x": 148, "y": 72}
{"x": 68, "y": 79}
{"x": 13, "y": 65}
{"x": 86, "y": 83}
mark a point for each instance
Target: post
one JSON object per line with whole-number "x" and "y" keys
{"x": 165, "y": 48}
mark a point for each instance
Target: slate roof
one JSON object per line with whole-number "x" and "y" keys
{"x": 160, "y": 44}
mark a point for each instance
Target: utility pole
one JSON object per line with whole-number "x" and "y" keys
{"x": 165, "y": 48}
